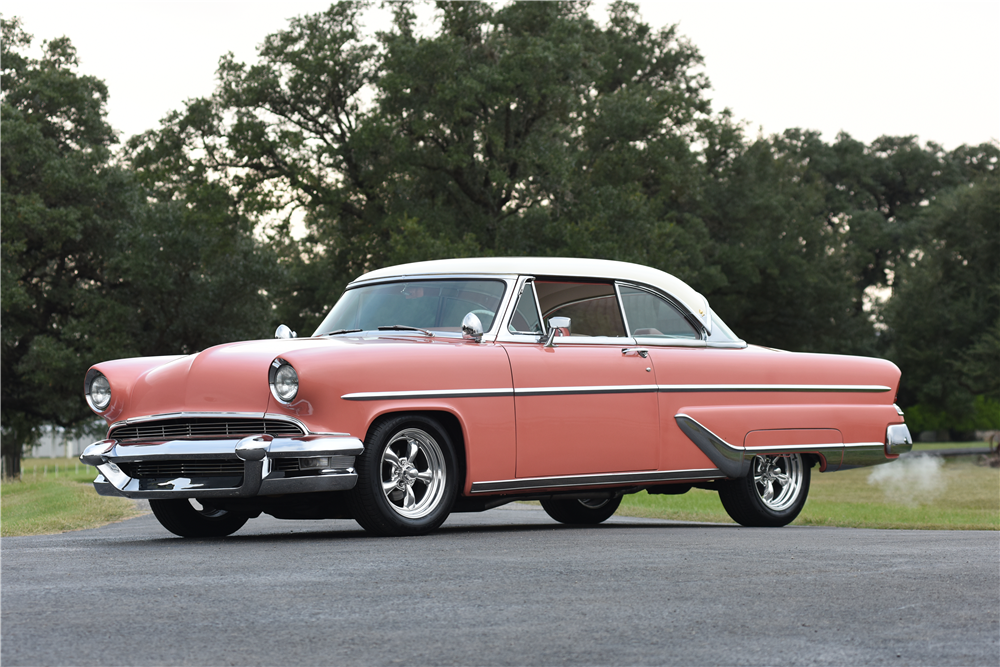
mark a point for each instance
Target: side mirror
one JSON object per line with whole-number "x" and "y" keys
{"x": 557, "y": 326}
{"x": 472, "y": 328}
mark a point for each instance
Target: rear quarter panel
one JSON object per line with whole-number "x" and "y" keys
{"x": 686, "y": 376}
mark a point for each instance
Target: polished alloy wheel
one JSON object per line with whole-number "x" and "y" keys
{"x": 413, "y": 473}
{"x": 778, "y": 480}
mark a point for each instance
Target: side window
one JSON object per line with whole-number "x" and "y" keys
{"x": 592, "y": 307}
{"x": 649, "y": 316}
{"x": 525, "y": 318}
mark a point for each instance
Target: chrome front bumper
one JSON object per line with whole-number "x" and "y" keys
{"x": 262, "y": 474}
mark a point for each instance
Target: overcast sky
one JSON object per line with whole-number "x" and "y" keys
{"x": 868, "y": 68}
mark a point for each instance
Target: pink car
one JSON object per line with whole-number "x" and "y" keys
{"x": 461, "y": 385}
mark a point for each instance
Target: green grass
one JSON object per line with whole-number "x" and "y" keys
{"x": 54, "y": 496}
{"x": 956, "y": 494}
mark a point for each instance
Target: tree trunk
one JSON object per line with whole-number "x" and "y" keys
{"x": 12, "y": 465}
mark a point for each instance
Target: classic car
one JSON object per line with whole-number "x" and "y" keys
{"x": 461, "y": 385}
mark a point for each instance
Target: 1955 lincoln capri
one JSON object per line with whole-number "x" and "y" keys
{"x": 461, "y": 385}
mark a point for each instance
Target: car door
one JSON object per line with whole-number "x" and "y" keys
{"x": 586, "y": 403}
{"x": 676, "y": 345}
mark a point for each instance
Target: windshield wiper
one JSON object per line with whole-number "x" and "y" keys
{"x": 342, "y": 331}
{"x": 403, "y": 327}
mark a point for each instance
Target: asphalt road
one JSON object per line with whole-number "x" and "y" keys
{"x": 506, "y": 587}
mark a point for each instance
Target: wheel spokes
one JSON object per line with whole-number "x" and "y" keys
{"x": 391, "y": 457}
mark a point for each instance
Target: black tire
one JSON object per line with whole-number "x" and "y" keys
{"x": 772, "y": 495}
{"x": 408, "y": 477}
{"x": 180, "y": 517}
{"x": 581, "y": 512}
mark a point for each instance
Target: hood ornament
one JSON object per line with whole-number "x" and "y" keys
{"x": 284, "y": 332}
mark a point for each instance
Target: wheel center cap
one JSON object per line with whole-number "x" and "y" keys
{"x": 409, "y": 474}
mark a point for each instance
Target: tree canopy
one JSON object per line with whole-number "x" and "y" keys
{"x": 518, "y": 129}
{"x": 93, "y": 266}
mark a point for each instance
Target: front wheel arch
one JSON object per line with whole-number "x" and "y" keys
{"x": 415, "y": 452}
{"x": 449, "y": 421}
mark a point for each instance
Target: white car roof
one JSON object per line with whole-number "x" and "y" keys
{"x": 553, "y": 266}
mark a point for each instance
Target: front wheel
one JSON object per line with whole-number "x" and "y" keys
{"x": 407, "y": 477}
{"x": 584, "y": 511}
{"x": 772, "y": 495}
{"x": 183, "y": 517}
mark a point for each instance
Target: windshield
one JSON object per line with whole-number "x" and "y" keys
{"x": 437, "y": 305}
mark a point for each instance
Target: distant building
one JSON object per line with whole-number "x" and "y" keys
{"x": 56, "y": 442}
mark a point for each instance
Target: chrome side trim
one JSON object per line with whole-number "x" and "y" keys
{"x": 609, "y": 389}
{"x": 731, "y": 460}
{"x": 842, "y": 388}
{"x": 440, "y": 393}
{"x": 734, "y": 460}
{"x": 528, "y": 483}
{"x": 597, "y": 389}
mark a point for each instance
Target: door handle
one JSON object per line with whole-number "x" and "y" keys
{"x": 641, "y": 351}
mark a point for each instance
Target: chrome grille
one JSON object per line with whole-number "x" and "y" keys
{"x": 193, "y": 468}
{"x": 202, "y": 427}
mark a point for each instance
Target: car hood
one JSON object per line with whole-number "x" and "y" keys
{"x": 224, "y": 378}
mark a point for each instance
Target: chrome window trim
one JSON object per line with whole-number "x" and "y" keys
{"x": 688, "y": 316}
{"x": 621, "y": 308}
{"x": 614, "y": 341}
{"x": 594, "y": 479}
{"x": 674, "y": 342}
{"x": 516, "y": 302}
{"x": 433, "y": 276}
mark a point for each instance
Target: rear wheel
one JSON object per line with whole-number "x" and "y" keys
{"x": 581, "y": 511}
{"x": 772, "y": 494}
{"x": 407, "y": 477}
{"x": 189, "y": 518}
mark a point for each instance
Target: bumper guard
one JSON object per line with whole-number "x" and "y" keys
{"x": 258, "y": 453}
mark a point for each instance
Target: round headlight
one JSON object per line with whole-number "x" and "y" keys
{"x": 284, "y": 381}
{"x": 98, "y": 391}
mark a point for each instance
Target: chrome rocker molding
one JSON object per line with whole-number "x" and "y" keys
{"x": 734, "y": 462}
{"x": 594, "y": 480}
{"x": 255, "y": 451}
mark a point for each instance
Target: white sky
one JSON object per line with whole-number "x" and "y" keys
{"x": 867, "y": 67}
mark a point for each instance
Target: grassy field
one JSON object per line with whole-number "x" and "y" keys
{"x": 921, "y": 493}
{"x": 56, "y": 495}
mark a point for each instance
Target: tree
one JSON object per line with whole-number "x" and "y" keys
{"x": 92, "y": 269}
{"x": 523, "y": 129}
{"x": 944, "y": 316}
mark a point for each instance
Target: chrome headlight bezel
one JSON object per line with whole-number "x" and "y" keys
{"x": 99, "y": 397}
{"x": 280, "y": 377}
